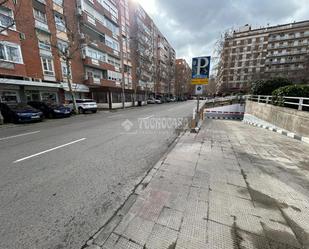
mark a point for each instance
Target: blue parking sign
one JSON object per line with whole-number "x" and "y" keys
{"x": 201, "y": 67}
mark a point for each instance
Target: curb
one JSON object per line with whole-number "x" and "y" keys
{"x": 282, "y": 132}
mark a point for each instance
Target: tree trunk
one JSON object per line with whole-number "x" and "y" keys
{"x": 70, "y": 87}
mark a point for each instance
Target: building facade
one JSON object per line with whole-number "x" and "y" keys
{"x": 112, "y": 44}
{"x": 249, "y": 54}
{"x": 153, "y": 58}
{"x": 183, "y": 86}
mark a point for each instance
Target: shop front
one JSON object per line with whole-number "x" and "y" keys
{"x": 12, "y": 90}
{"x": 80, "y": 91}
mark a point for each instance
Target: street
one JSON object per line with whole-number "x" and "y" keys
{"x": 61, "y": 180}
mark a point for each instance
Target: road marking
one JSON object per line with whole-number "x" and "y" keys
{"x": 116, "y": 115}
{"x": 148, "y": 117}
{"x": 19, "y": 135}
{"x": 46, "y": 151}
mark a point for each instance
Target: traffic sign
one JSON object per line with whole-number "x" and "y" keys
{"x": 199, "y": 90}
{"x": 200, "y": 70}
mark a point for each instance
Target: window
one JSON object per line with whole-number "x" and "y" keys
{"x": 8, "y": 96}
{"x": 60, "y": 23}
{"x": 62, "y": 46}
{"x": 58, "y": 2}
{"x": 95, "y": 54}
{"x": 39, "y": 15}
{"x": 6, "y": 17}
{"x": 45, "y": 45}
{"x": 10, "y": 52}
{"x": 47, "y": 64}
{"x": 65, "y": 70}
{"x": 111, "y": 43}
{"x": 113, "y": 61}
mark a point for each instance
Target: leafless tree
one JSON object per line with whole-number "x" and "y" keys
{"x": 67, "y": 51}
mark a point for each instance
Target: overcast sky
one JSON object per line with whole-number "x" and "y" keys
{"x": 193, "y": 26}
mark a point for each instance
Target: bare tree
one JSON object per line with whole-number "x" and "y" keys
{"x": 68, "y": 50}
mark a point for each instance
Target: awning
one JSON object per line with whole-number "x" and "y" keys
{"x": 5, "y": 81}
{"x": 75, "y": 87}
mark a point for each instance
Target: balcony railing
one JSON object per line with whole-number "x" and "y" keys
{"x": 41, "y": 26}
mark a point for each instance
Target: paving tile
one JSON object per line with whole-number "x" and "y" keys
{"x": 249, "y": 223}
{"x": 280, "y": 232}
{"x": 201, "y": 194}
{"x": 220, "y": 236}
{"x": 177, "y": 201}
{"x": 185, "y": 242}
{"x": 196, "y": 209}
{"x": 193, "y": 230}
{"x": 252, "y": 241}
{"x": 138, "y": 230}
{"x": 161, "y": 237}
{"x": 124, "y": 243}
{"x": 153, "y": 205}
{"x": 111, "y": 241}
{"x": 170, "y": 218}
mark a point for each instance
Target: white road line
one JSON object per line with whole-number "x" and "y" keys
{"x": 116, "y": 115}
{"x": 19, "y": 135}
{"x": 46, "y": 151}
{"x": 148, "y": 117}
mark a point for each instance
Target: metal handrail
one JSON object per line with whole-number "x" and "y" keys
{"x": 268, "y": 100}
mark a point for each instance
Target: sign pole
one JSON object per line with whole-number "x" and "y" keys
{"x": 197, "y": 110}
{"x": 200, "y": 76}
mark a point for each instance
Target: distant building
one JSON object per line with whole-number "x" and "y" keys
{"x": 153, "y": 58}
{"x": 183, "y": 85}
{"x": 277, "y": 51}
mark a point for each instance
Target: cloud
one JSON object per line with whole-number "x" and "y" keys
{"x": 192, "y": 27}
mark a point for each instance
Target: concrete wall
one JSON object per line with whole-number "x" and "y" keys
{"x": 285, "y": 118}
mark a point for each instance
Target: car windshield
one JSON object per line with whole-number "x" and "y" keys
{"x": 19, "y": 107}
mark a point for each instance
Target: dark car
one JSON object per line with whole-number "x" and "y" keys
{"x": 51, "y": 110}
{"x": 20, "y": 113}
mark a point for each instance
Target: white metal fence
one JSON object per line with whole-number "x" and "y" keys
{"x": 298, "y": 102}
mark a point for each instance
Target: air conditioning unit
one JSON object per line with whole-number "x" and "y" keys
{"x": 22, "y": 36}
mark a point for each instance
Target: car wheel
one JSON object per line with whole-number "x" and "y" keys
{"x": 94, "y": 111}
{"x": 80, "y": 110}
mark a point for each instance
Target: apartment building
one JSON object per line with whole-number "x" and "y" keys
{"x": 35, "y": 70}
{"x": 183, "y": 79}
{"x": 153, "y": 58}
{"x": 249, "y": 54}
{"x": 112, "y": 46}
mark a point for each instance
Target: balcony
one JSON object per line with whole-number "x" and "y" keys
{"x": 98, "y": 64}
{"x": 42, "y": 26}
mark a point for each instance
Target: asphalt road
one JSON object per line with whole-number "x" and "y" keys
{"x": 61, "y": 180}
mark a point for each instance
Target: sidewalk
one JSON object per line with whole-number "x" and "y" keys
{"x": 230, "y": 186}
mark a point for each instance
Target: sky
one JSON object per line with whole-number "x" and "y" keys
{"x": 193, "y": 26}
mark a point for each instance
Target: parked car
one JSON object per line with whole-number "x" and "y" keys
{"x": 20, "y": 113}
{"x": 85, "y": 105}
{"x": 158, "y": 101}
{"x": 51, "y": 110}
{"x": 151, "y": 101}
{"x": 168, "y": 99}
{"x": 173, "y": 99}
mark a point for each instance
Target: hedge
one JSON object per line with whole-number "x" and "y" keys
{"x": 290, "y": 91}
{"x": 266, "y": 87}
